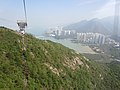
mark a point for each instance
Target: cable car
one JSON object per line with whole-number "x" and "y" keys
{"x": 22, "y": 24}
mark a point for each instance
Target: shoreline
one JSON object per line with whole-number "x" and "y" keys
{"x": 78, "y": 47}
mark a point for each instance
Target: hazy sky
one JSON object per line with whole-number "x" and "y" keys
{"x": 43, "y": 14}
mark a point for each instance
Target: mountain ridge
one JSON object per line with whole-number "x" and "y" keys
{"x": 104, "y": 26}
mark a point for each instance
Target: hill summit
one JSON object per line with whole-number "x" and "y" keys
{"x": 51, "y": 66}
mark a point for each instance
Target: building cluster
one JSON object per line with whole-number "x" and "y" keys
{"x": 91, "y": 38}
{"x": 113, "y": 42}
{"x": 88, "y": 38}
{"x": 58, "y": 31}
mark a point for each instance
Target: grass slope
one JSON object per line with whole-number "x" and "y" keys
{"x": 51, "y": 66}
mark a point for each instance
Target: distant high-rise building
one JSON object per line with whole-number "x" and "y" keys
{"x": 116, "y": 20}
{"x": 91, "y": 38}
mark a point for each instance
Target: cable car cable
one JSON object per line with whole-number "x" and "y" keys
{"x": 25, "y": 12}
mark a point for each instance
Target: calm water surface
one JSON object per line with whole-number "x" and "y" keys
{"x": 75, "y": 46}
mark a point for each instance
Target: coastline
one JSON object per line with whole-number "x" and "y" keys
{"x": 78, "y": 47}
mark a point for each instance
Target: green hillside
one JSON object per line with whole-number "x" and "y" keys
{"x": 51, "y": 66}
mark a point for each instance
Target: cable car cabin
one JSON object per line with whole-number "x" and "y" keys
{"x": 22, "y": 25}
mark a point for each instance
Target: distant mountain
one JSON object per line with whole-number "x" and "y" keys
{"x": 51, "y": 66}
{"x": 104, "y": 25}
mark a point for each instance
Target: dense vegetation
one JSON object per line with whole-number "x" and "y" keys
{"x": 51, "y": 66}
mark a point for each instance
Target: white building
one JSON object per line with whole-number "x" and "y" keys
{"x": 93, "y": 38}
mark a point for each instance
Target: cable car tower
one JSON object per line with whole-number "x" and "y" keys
{"x": 22, "y": 24}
